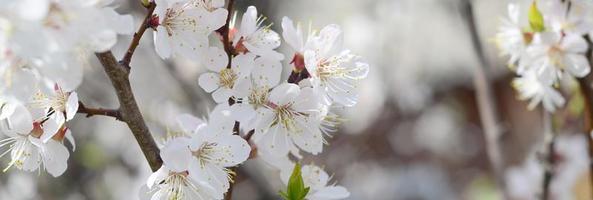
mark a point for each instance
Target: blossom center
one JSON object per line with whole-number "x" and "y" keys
{"x": 556, "y": 55}
{"x": 285, "y": 116}
{"x": 227, "y": 78}
{"x": 204, "y": 153}
{"x": 258, "y": 97}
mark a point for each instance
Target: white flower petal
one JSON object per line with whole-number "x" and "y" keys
{"x": 71, "y": 106}
{"x": 293, "y": 36}
{"x": 215, "y": 59}
{"x": 19, "y": 121}
{"x": 162, "y": 43}
{"x": 190, "y": 123}
{"x": 209, "y": 81}
{"x": 52, "y": 126}
{"x": 577, "y": 65}
{"x": 267, "y": 72}
{"x": 230, "y": 150}
{"x": 242, "y": 64}
{"x": 157, "y": 177}
{"x": 70, "y": 139}
{"x": 222, "y": 95}
{"x": 330, "y": 193}
{"x": 284, "y": 93}
{"x": 176, "y": 154}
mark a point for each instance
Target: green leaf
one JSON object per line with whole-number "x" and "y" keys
{"x": 145, "y": 3}
{"x": 536, "y": 20}
{"x": 295, "y": 190}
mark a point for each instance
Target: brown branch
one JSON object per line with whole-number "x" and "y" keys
{"x": 486, "y": 102}
{"x": 225, "y": 33}
{"x": 98, "y": 111}
{"x": 138, "y": 35}
{"x": 548, "y": 154}
{"x": 587, "y": 92}
{"x": 129, "y": 111}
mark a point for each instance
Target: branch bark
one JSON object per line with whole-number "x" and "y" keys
{"x": 548, "y": 151}
{"x": 82, "y": 109}
{"x": 587, "y": 92}
{"x": 129, "y": 111}
{"x": 486, "y": 103}
{"x": 137, "y": 36}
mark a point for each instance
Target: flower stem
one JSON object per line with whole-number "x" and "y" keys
{"x": 138, "y": 35}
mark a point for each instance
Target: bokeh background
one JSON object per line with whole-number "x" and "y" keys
{"x": 414, "y": 135}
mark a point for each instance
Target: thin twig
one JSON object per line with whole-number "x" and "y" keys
{"x": 98, "y": 111}
{"x": 129, "y": 111}
{"x": 138, "y": 35}
{"x": 486, "y": 103}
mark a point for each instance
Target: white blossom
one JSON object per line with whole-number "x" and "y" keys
{"x": 552, "y": 54}
{"x": 28, "y": 152}
{"x": 335, "y": 72}
{"x": 510, "y": 39}
{"x": 58, "y": 107}
{"x": 184, "y": 26}
{"x": 226, "y": 82}
{"x": 531, "y": 87}
{"x": 167, "y": 184}
{"x": 255, "y": 38}
{"x": 265, "y": 75}
{"x": 206, "y": 151}
{"x": 292, "y": 117}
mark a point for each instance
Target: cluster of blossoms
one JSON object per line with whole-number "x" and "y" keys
{"x": 546, "y": 42}
{"x": 256, "y": 108}
{"x": 43, "y": 46}
{"x": 45, "y": 43}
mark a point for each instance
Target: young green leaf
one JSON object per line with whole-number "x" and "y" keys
{"x": 296, "y": 189}
{"x": 536, "y": 20}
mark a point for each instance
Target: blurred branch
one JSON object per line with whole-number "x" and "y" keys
{"x": 587, "y": 92}
{"x": 486, "y": 103}
{"x": 138, "y": 35}
{"x": 98, "y": 111}
{"x": 548, "y": 155}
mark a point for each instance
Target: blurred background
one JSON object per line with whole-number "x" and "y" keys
{"x": 414, "y": 135}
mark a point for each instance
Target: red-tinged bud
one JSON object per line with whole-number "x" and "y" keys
{"x": 153, "y": 22}
{"x": 528, "y": 37}
{"x": 37, "y": 130}
{"x": 298, "y": 61}
{"x": 61, "y": 134}
{"x": 240, "y": 48}
{"x": 232, "y": 33}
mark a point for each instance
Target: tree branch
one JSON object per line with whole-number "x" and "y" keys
{"x": 548, "y": 151}
{"x": 486, "y": 103}
{"x": 82, "y": 109}
{"x": 138, "y": 35}
{"x": 587, "y": 92}
{"x": 225, "y": 33}
{"x": 129, "y": 111}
